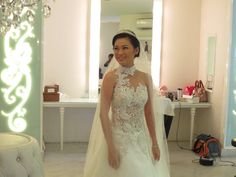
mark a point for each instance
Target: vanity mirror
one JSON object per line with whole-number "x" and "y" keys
{"x": 142, "y": 17}
{"x": 135, "y": 15}
{"x": 211, "y": 51}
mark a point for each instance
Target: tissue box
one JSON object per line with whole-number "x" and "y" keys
{"x": 51, "y": 93}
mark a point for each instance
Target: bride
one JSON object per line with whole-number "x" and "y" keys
{"x": 127, "y": 138}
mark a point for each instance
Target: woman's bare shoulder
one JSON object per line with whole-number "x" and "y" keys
{"x": 110, "y": 76}
{"x": 145, "y": 76}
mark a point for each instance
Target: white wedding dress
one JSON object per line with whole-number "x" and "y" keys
{"x": 130, "y": 132}
{"x": 130, "y": 135}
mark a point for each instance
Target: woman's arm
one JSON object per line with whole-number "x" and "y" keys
{"x": 149, "y": 115}
{"x": 106, "y": 98}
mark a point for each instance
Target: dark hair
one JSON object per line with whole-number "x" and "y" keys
{"x": 110, "y": 55}
{"x": 133, "y": 40}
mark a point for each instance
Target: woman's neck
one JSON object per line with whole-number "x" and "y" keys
{"x": 127, "y": 66}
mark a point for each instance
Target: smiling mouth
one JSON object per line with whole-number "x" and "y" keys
{"x": 121, "y": 58}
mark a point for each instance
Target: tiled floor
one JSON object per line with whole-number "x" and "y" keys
{"x": 70, "y": 162}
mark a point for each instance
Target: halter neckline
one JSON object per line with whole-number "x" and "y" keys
{"x": 127, "y": 70}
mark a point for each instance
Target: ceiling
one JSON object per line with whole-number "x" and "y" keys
{"x": 125, "y": 7}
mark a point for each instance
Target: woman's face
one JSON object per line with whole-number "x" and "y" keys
{"x": 124, "y": 52}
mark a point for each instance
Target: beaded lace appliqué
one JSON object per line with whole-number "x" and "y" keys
{"x": 128, "y": 112}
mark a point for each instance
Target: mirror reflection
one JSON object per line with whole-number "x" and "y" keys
{"x": 211, "y": 51}
{"x": 135, "y": 15}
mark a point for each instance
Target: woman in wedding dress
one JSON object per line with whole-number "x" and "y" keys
{"x": 126, "y": 140}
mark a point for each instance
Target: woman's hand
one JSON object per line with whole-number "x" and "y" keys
{"x": 156, "y": 152}
{"x": 114, "y": 158}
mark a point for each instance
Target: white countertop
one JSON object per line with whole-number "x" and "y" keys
{"x": 77, "y": 102}
{"x": 164, "y": 105}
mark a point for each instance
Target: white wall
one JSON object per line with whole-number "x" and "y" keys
{"x": 180, "y": 46}
{"x": 66, "y": 47}
{"x": 180, "y": 53}
{"x": 215, "y": 19}
{"x": 187, "y": 25}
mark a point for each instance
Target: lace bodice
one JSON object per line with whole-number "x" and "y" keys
{"x": 128, "y": 110}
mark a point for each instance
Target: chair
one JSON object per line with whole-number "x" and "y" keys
{"x": 20, "y": 156}
{"x": 233, "y": 143}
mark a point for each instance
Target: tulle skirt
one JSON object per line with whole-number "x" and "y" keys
{"x": 134, "y": 163}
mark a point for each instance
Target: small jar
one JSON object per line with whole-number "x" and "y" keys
{"x": 179, "y": 93}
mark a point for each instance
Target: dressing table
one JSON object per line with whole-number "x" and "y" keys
{"x": 69, "y": 103}
{"x": 167, "y": 107}
{"x": 164, "y": 106}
